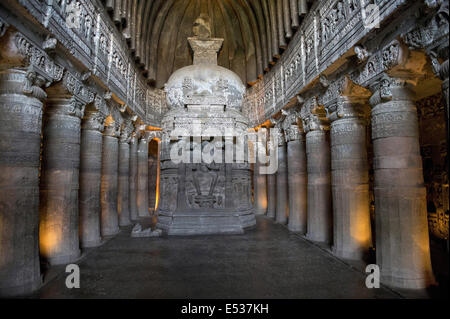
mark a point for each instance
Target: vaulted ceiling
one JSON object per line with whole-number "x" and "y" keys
{"x": 255, "y": 32}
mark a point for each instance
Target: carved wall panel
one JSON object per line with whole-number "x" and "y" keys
{"x": 434, "y": 153}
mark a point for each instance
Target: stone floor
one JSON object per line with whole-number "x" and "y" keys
{"x": 266, "y": 262}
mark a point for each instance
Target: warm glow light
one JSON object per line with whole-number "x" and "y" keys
{"x": 109, "y": 120}
{"x": 157, "y": 177}
{"x": 49, "y": 238}
{"x": 360, "y": 229}
{"x": 152, "y": 128}
{"x": 263, "y": 202}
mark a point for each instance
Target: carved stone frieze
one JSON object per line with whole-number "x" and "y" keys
{"x": 76, "y": 87}
{"x": 39, "y": 62}
{"x": 88, "y": 35}
{"x": 433, "y": 31}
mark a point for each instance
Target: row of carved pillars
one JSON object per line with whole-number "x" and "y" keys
{"x": 321, "y": 188}
{"x": 68, "y": 178}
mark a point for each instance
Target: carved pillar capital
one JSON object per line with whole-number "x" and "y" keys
{"x": 393, "y": 110}
{"x": 314, "y": 116}
{"x": 112, "y": 129}
{"x": 22, "y": 54}
{"x": 19, "y": 81}
{"x": 126, "y": 132}
{"x": 392, "y": 89}
{"x": 345, "y": 99}
{"x": 135, "y": 135}
{"x": 73, "y": 90}
{"x": 402, "y": 63}
{"x": 293, "y": 128}
{"x": 294, "y": 133}
{"x": 143, "y": 139}
{"x": 66, "y": 106}
{"x": 94, "y": 121}
{"x": 432, "y": 33}
{"x": 278, "y": 131}
{"x": 100, "y": 104}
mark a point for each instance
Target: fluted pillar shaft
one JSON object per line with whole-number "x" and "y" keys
{"x": 123, "y": 200}
{"x": 260, "y": 185}
{"x": 271, "y": 186}
{"x": 90, "y": 178}
{"x": 297, "y": 178}
{"x": 444, "y": 68}
{"x": 133, "y": 178}
{"x": 319, "y": 215}
{"x": 444, "y": 75}
{"x": 109, "y": 182}
{"x": 142, "y": 190}
{"x": 320, "y": 222}
{"x": 402, "y": 238}
{"x": 282, "y": 210}
{"x": 352, "y": 234}
{"x": 58, "y": 229}
{"x": 20, "y": 139}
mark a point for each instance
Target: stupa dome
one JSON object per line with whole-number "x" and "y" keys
{"x": 204, "y": 82}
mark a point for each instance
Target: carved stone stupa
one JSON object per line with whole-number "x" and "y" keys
{"x": 197, "y": 196}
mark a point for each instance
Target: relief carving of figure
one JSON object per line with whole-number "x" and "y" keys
{"x": 205, "y": 181}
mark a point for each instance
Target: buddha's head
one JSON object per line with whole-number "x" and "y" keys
{"x": 202, "y": 27}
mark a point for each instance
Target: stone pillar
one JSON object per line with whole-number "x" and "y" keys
{"x": 59, "y": 228}
{"x": 443, "y": 72}
{"x": 142, "y": 186}
{"x": 319, "y": 215}
{"x": 271, "y": 187}
{"x": 90, "y": 177}
{"x": 20, "y": 140}
{"x": 123, "y": 199}
{"x": 282, "y": 210}
{"x": 297, "y": 178}
{"x": 444, "y": 76}
{"x": 402, "y": 238}
{"x": 260, "y": 184}
{"x": 352, "y": 235}
{"x": 109, "y": 183}
{"x": 260, "y": 180}
{"x": 133, "y": 177}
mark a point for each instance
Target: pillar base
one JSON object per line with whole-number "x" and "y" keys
{"x": 318, "y": 239}
{"x": 61, "y": 260}
{"x": 406, "y": 283}
{"x": 22, "y": 290}
{"x": 125, "y": 224}
{"x": 297, "y": 229}
{"x": 271, "y": 215}
{"x": 110, "y": 231}
{"x": 350, "y": 255}
{"x": 91, "y": 243}
{"x": 260, "y": 212}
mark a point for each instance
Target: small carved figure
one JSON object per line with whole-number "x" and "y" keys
{"x": 202, "y": 27}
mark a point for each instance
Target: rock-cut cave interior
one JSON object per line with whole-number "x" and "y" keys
{"x": 224, "y": 148}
